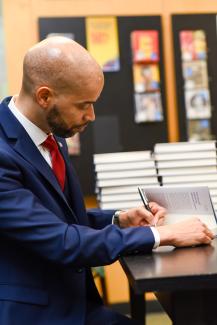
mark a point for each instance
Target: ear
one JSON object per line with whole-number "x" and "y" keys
{"x": 44, "y": 96}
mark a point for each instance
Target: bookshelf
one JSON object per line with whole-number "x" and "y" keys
{"x": 206, "y": 25}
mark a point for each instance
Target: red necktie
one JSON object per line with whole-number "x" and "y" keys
{"x": 58, "y": 164}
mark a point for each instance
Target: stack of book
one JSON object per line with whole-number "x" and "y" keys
{"x": 118, "y": 176}
{"x": 188, "y": 164}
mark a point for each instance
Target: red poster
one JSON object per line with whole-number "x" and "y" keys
{"x": 193, "y": 45}
{"x": 145, "y": 46}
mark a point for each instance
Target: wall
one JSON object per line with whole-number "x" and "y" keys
{"x": 3, "y": 79}
{"x": 20, "y": 23}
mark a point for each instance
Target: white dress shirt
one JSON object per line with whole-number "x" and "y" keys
{"x": 36, "y": 134}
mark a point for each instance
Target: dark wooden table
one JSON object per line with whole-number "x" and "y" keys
{"x": 184, "y": 280}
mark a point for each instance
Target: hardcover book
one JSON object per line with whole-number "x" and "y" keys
{"x": 182, "y": 203}
{"x": 146, "y": 164}
{"x": 127, "y": 181}
{"x": 126, "y": 173}
{"x": 117, "y": 157}
{"x": 186, "y": 155}
{"x": 184, "y": 146}
{"x": 186, "y": 162}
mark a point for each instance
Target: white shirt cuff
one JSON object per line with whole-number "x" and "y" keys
{"x": 156, "y": 237}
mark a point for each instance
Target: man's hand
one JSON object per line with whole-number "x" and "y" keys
{"x": 142, "y": 217}
{"x": 185, "y": 233}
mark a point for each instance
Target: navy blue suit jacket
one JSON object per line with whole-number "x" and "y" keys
{"x": 48, "y": 241}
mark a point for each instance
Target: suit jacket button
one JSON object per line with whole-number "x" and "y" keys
{"x": 80, "y": 270}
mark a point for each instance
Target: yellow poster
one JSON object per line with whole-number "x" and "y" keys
{"x": 102, "y": 41}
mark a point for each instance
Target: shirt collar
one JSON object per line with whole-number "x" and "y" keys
{"x": 36, "y": 134}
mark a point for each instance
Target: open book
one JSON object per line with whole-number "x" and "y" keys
{"x": 182, "y": 203}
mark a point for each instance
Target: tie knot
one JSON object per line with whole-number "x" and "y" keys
{"x": 50, "y": 143}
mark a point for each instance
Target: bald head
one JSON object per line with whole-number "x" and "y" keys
{"x": 59, "y": 63}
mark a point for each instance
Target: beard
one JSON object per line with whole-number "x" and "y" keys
{"x": 58, "y": 126}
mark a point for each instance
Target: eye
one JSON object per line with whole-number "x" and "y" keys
{"x": 84, "y": 106}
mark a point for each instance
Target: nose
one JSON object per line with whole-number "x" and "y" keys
{"x": 90, "y": 116}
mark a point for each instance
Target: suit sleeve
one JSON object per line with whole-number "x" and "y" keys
{"x": 24, "y": 219}
{"x": 99, "y": 219}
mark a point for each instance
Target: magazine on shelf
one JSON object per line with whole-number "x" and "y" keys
{"x": 145, "y": 46}
{"x": 199, "y": 130}
{"x": 148, "y": 107}
{"x": 193, "y": 45}
{"x": 146, "y": 77}
{"x": 195, "y": 74}
{"x": 197, "y": 103}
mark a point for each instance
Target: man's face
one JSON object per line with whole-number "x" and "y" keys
{"x": 71, "y": 114}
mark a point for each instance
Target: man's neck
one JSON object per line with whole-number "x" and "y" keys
{"x": 28, "y": 108}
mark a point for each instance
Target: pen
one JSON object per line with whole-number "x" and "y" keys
{"x": 145, "y": 201}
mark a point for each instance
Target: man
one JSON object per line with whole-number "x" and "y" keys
{"x": 48, "y": 242}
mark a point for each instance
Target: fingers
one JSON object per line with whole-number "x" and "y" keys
{"x": 159, "y": 213}
{"x": 189, "y": 232}
{"x": 156, "y": 207}
{"x": 143, "y": 223}
{"x": 138, "y": 217}
{"x": 142, "y": 217}
{"x": 205, "y": 231}
{"x": 146, "y": 217}
{"x": 208, "y": 232}
{"x": 160, "y": 221}
{"x": 201, "y": 234}
{"x": 207, "y": 240}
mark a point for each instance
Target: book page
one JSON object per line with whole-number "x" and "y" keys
{"x": 184, "y": 202}
{"x": 208, "y": 219}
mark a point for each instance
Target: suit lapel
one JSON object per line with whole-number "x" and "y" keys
{"x": 26, "y": 148}
{"x": 75, "y": 192}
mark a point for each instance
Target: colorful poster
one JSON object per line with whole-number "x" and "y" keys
{"x": 3, "y": 79}
{"x": 146, "y": 77}
{"x": 197, "y": 103}
{"x": 73, "y": 144}
{"x": 193, "y": 45}
{"x": 102, "y": 42}
{"x": 148, "y": 107}
{"x": 145, "y": 46}
{"x": 195, "y": 74}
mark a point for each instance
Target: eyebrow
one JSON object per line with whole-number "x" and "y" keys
{"x": 86, "y": 102}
